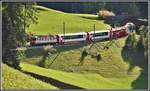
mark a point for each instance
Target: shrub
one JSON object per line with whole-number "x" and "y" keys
{"x": 105, "y": 13}
{"x": 50, "y": 49}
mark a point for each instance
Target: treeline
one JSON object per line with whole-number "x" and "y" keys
{"x": 132, "y": 8}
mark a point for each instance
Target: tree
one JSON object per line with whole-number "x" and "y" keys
{"x": 131, "y": 41}
{"x": 142, "y": 44}
{"x": 135, "y": 50}
{"x": 16, "y": 18}
{"x": 143, "y": 8}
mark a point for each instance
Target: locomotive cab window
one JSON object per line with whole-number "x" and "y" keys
{"x": 100, "y": 34}
{"x": 73, "y": 37}
{"x": 33, "y": 38}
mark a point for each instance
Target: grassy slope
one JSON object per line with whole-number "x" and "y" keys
{"x": 51, "y": 21}
{"x": 85, "y": 80}
{"x": 13, "y": 79}
{"x": 112, "y": 67}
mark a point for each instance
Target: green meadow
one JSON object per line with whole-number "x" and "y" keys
{"x": 51, "y": 22}
{"x": 84, "y": 80}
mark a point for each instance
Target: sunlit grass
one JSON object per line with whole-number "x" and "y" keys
{"x": 85, "y": 80}
{"x": 51, "y": 22}
{"x": 14, "y": 79}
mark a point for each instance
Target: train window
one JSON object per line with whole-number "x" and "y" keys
{"x": 33, "y": 38}
{"x": 73, "y": 37}
{"x": 100, "y": 34}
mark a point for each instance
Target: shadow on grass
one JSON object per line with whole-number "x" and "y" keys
{"x": 91, "y": 18}
{"x": 34, "y": 52}
{"x": 52, "y": 81}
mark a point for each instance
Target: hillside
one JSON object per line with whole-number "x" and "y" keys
{"x": 109, "y": 66}
{"x": 14, "y": 79}
{"x": 117, "y": 64}
{"x": 112, "y": 66}
{"x": 51, "y": 22}
{"x": 84, "y": 81}
{"x": 62, "y": 68}
{"x": 69, "y": 56}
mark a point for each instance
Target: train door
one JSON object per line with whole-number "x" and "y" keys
{"x": 59, "y": 39}
{"x": 89, "y": 37}
{"x": 111, "y": 34}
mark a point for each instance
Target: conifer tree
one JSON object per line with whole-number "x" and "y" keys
{"x": 16, "y": 18}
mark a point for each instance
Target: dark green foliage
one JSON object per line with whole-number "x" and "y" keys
{"x": 46, "y": 56}
{"x": 21, "y": 15}
{"x": 9, "y": 42}
{"x": 75, "y": 7}
{"x": 132, "y": 8}
{"x": 131, "y": 41}
{"x": 143, "y": 8}
{"x": 143, "y": 42}
{"x": 42, "y": 62}
{"x": 123, "y": 7}
{"x": 16, "y": 18}
{"x": 133, "y": 51}
{"x": 136, "y": 52}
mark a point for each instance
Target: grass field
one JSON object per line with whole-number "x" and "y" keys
{"x": 51, "y": 22}
{"x": 110, "y": 66}
{"x": 14, "y": 79}
{"x": 85, "y": 80}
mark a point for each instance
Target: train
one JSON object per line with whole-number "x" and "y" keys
{"x": 97, "y": 35}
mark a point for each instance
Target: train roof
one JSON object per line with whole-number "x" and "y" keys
{"x": 34, "y": 36}
{"x": 99, "y": 31}
{"x": 83, "y": 33}
{"x": 118, "y": 28}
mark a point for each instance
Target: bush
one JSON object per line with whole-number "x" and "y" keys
{"x": 105, "y": 13}
{"x": 50, "y": 49}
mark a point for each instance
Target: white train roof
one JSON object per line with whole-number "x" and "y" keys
{"x": 99, "y": 31}
{"x": 81, "y": 33}
{"x": 118, "y": 28}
